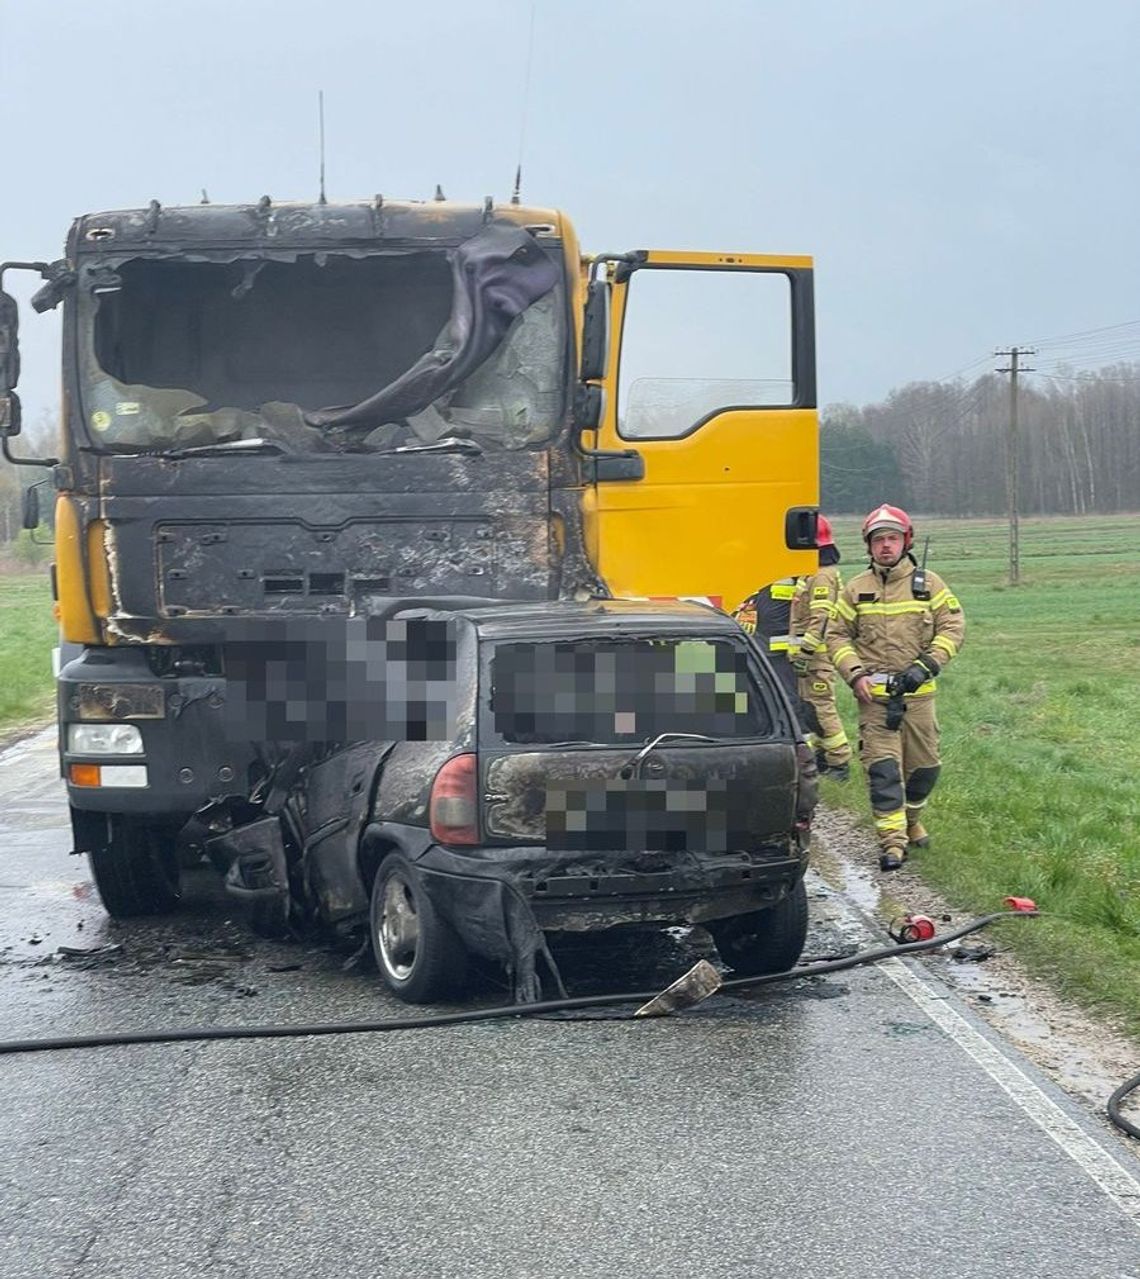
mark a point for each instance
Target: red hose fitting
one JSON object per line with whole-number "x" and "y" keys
{"x": 1023, "y": 904}
{"x": 912, "y": 928}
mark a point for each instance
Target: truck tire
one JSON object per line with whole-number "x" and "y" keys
{"x": 420, "y": 958}
{"x": 765, "y": 941}
{"x": 136, "y": 868}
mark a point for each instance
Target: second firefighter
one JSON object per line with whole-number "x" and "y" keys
{"x": 812, "y": 609}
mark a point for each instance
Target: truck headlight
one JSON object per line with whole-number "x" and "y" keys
{"x": 104, "y": 739}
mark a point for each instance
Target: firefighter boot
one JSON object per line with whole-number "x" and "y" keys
{"x": 892, "y": 857}
{"x": 916, "y": 834}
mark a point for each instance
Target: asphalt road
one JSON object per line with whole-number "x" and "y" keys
{"x": 856, "y": 1126}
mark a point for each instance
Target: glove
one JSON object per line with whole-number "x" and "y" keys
{"x": 800, "y": 664}
{"x": 916, "y": 674}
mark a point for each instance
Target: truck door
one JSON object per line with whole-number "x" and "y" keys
{"x": 698, "y": 409}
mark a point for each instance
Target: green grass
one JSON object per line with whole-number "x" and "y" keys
{"x": 28, "y": 632}
{"x": 1040, "y": 716}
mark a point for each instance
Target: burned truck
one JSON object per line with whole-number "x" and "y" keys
{"x": 280, "y": 421}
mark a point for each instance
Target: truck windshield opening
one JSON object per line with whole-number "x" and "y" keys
{"x": 324, "y": 352}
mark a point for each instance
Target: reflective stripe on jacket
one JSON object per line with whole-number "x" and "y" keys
{"x": 879, "y": 628}
{"x": 768, "y": 613}
{"x": 812, "y": 610}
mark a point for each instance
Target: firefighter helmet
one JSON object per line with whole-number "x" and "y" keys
{"x": 823, "y": 531}
{"x": 891, "y": 517}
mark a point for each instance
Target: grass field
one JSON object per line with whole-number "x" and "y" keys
{"x": 27, "y": 634}
{"x": 1040, "y": 716}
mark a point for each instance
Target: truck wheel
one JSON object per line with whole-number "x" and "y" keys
{"x": 420, "y": 958}
{"x": 765, "y": 941}
{"x": 136, "y": 868}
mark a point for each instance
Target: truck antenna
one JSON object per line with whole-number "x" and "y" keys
{"x": 515, "y": 197}
{"x": 321, "y": 116}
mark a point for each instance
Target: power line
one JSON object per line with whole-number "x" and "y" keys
{"x": 952, "y": 377}
{"x": 1080, "y": 333}
{"x": 1090, "y": 378}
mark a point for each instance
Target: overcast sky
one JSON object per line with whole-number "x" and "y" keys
{"x": 964, "y": 173}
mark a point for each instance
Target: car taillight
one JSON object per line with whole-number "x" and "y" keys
{"x": 454, "y": 807}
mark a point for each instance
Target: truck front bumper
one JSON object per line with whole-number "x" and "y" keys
{"x": 187, "y": 760}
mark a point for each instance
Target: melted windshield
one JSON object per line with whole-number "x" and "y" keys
{"x": 323, "y": 352}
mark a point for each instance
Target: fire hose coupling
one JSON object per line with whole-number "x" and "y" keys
{"x": 911, "y": 928}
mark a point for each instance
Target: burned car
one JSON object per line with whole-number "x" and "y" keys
{"x": 581, "y": 766}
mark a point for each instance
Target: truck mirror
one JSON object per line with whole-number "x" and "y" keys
{"x": 594, "y": 324}
{"x": 49, "y": 295}
{"x": 9, "y": 345}
{"x": 10, "y": 415}
{"x": 589, "y": 403}
{"x": 31, "y": 507}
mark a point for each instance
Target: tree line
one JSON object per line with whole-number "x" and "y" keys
{"x": 940, "y": 447}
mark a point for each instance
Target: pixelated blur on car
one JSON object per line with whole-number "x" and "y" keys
{"x": 603, "y": 764}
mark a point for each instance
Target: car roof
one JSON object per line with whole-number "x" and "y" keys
{"x": 559, "y": 619}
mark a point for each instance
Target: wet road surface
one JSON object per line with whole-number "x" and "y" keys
{"x": 853, "y": 1126}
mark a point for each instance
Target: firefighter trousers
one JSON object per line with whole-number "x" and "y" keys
{"x": 817, "y": 689}
{"x": 902, "y": 765}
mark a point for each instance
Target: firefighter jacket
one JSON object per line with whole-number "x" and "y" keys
{"x": 881, "y": 627}
{"x": 812, "y": 609}
{"x": 767, "y": 616}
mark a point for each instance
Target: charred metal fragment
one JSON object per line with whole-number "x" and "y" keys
{"x": 495, "y": 921}
{"x": 255, "y": 854}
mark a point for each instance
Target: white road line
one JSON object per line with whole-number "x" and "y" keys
{"x": 1112, "y": 1178}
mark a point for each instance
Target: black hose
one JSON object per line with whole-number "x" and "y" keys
{"x": 192, "y": 1033}
{"x": 1129, "y": 1085}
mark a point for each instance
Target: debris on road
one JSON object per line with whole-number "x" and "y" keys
{"x": 90, "y": 952}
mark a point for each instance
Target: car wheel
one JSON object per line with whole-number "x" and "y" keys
{"x": 136, "y": 868}
{"x": 765, "y": 941}
{"x": 420, "y": 958}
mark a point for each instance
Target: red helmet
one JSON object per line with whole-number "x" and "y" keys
{"x": 892, "y": 517}
{"x": 823, "y": 531}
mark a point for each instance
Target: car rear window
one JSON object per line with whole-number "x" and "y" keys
{"x": 623, "y": 691}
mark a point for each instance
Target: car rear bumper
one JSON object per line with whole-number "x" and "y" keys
{"x": 566, "y": 892}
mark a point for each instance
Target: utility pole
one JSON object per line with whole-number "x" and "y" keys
{"x": 1013, "y": 368}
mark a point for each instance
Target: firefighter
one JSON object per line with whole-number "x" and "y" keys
{"x": 896, "y": 620}
{"x": 767, "y": 615}
{"x": 812, "y": 609}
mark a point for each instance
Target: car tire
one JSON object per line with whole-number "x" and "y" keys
{"x": 136, "y": 868}
{"x": 419, "y": 956}
{"x": 765, "y": 941}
